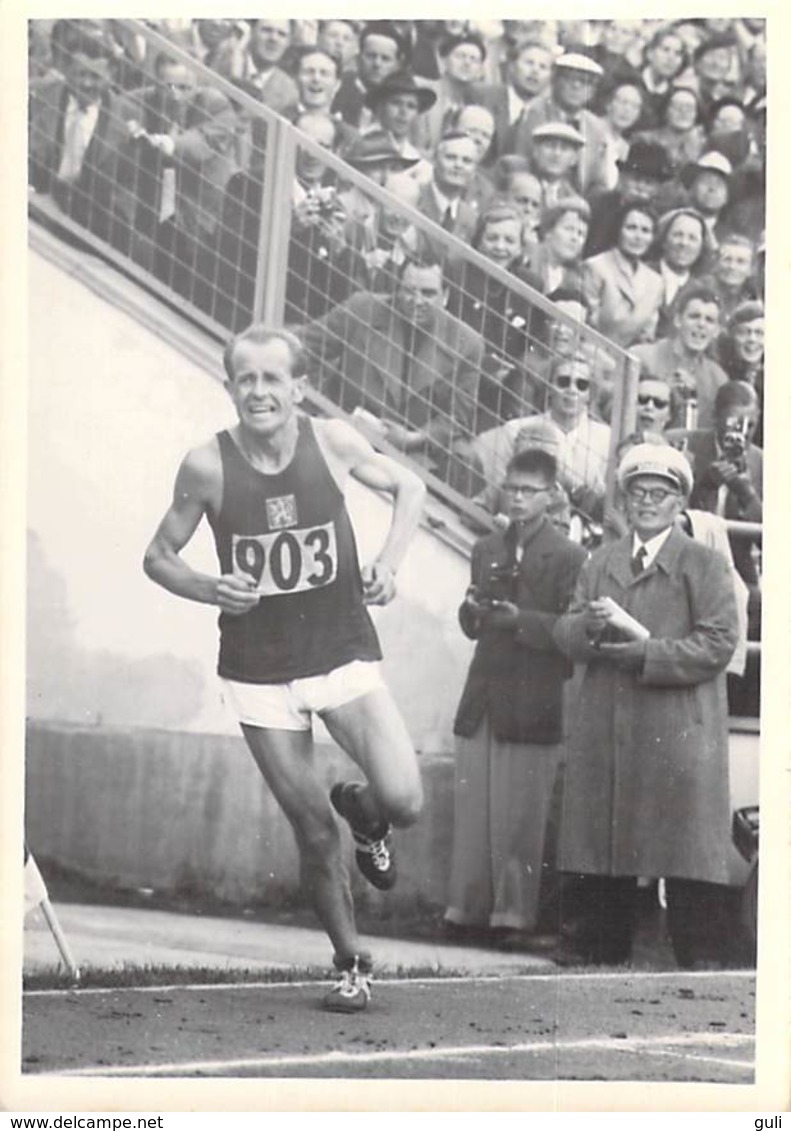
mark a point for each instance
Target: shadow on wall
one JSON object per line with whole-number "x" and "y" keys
{"x": 66, "y": 681}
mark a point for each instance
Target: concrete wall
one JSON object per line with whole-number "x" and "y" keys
{"x": 189, "y": 814}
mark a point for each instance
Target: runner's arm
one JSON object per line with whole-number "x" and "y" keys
{"x": 163, "y": 562}
{"x": 381, "y": 474}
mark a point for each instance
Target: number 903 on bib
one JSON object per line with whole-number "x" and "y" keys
{"x": 287, "y": 561}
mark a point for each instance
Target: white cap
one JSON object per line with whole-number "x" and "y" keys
{"x": 576, "y": 61}
{"x": 558, "y": 129}
{"x": 656, "y": 459}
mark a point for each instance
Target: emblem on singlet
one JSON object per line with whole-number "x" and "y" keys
{"x": 287, "y": 561}
{"x": 281, "y": 513}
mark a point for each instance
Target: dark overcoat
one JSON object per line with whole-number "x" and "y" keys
{"x": 646, "y": 788}
{"x": 517, "y": 675}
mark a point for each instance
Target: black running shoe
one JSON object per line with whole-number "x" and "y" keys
{"x": 374, "y": 853}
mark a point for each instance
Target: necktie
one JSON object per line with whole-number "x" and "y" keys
{"x": 638, "y": 561}
{"x": 447, "y": 220}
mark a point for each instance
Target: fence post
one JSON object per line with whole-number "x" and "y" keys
{"x": 624, "y": 417}
{"x": 269, "y": 300}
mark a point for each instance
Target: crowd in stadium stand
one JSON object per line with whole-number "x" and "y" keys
{"x": 616, "y": 166}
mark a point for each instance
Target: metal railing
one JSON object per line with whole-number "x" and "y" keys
{"x": 197, "y": 201}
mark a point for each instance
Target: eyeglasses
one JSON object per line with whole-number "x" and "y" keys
{"x": 523, "y": 489}
{"x": 644, "y": 399}
{"x": 564, "y": 382}
{"x": 655, "y": 494}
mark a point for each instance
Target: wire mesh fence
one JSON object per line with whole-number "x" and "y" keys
{"x": 423, "y": 338}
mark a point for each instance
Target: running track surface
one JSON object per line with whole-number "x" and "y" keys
{"x": 564, "y": 1026}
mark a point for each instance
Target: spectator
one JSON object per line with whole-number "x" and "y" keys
{"x": 528, "y": 73}
{"x": 375, "y": 155}
{"x": 381, "y": 54}
{"x": 648, "y": 753}
{"x": 478, "y": 124}
{"x": 741, "y": 353}
{"x": 515, "y": 183}
{"x": 733, "y": 273}
{"x": 405, "y": 359}
{"x": 716, "y": 68}
{"x": 387, "y": 243}
{"x": 654, "y": 405}
{"x": 76, "y": 134}
{"x": 726, "y": 116}
{"x": 623, "y": 293}
{"x": 622, "y": 106}
{"x": 586, "y": 442}
{"x": 611, "y": 52}
{"x": 574, "y": 81}
{"x": 509, "y": 722}
{"x": 461, "y": 61}
{"x": 254, "y": 64}
{"x": 202, "y": 156}
{"x": 683, "y": 250}
{"x": 641, "y": 175}
{"x": 490, "y": 307}
{"x": 664, "y": 59}
{"x": 317, "y": 77}
{"x": 442, "y": 200}
{"x": 678, "y": 131}
{"x": 682, "y": 358}
{"x": 398, "y": 102}
{"x": 707, "y": 181}
{"x": 729, "y": 469}
{"x": 339, "y": 39}
{"x": 210, "y": 34}
{"x": 323, "y": 269}
{"x": 554, "y": 159}
{"x": 555, "y": 262}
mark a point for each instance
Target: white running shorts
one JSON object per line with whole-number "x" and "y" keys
{"x": 288, "y": 706}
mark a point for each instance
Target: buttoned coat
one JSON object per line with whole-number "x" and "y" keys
{"x": 360, "y": 350}
{"x": 624, "y": 302}
{"x": 646, "y": 790}
{"x": 517, "y": 676}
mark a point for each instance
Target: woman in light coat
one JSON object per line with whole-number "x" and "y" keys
{"x": 623, "y": 293}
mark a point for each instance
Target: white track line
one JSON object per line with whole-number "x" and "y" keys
{"x": 404, "y": 983}
{"x": 339, "y": 1058}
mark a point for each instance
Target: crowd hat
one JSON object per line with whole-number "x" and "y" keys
{"x": 576, "y": 61}
{"x": 558, "y": 130}
{"x": 374, "y": 148}
{"x": 400, "y": 83}
{"x": 656, "y": 459}
{"x": 648, "y": 159}
{"x": 712, "y": 162}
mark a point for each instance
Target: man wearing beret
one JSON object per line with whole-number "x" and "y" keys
{"x": 646, "y": 790}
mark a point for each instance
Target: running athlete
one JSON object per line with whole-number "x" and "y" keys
{"x": 295, "y": 635}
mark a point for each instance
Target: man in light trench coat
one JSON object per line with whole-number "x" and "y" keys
{"x": 646, "y": 790}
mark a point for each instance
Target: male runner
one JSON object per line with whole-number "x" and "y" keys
{"x": 295, "y": 636}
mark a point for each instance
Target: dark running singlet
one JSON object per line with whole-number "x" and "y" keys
{"x": 292, "y": 534}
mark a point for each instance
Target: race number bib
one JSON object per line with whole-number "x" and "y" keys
{"x": 287, "y": 561}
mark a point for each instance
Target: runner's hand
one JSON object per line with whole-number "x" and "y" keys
{"x": 379, "y": 585}
{"x": 236, "y": 595}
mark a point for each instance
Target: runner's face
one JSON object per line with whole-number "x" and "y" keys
{"x": 264, "y": 390}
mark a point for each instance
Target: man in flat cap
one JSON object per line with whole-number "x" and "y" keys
{"x": 708, "y": 182}
{"x": 646, "y": 790}
{"x": 554, "y": 161}
{"x": 575, "y": 78}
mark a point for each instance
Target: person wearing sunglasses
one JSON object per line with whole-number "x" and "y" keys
{"x": 582, "y": 459}
{"x": 646, "y": 789}
{"x": 654, "y": 404}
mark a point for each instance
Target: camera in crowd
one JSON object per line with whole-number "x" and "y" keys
{"x": 733, "y": 441}
{"x": 499, "y": 584}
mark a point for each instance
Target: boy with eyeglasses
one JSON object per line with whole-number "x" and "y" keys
{"x": 646, "y": 783}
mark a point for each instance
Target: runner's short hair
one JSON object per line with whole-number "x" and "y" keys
{"x": 259, "y": 334}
